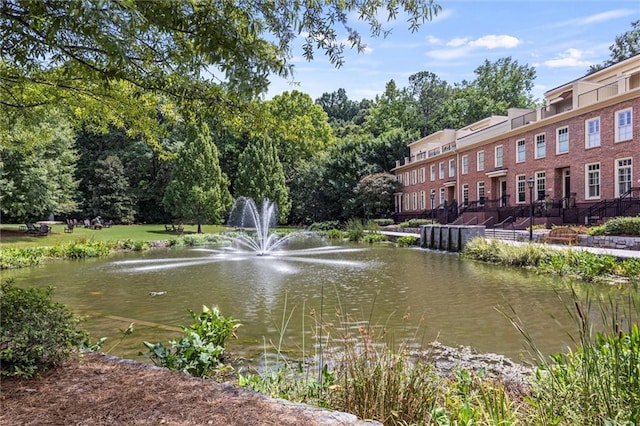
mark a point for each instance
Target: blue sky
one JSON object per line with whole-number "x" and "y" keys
{"x": 560, "y": 38}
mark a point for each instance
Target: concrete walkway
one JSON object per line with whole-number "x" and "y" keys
{"x": 620, "y": 254}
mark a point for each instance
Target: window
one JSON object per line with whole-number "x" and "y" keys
{"x": 562, "y": 140}
{"x": 433, "y": 172}
{"x": 465, "y": 164}
{"x": 623, "y": 176}
{"x": 421, "y": 175}
{"x": 406, "y": 178}
{"x": 541, "y": 147}
{"x": 414, "y": 201}
{"x": 414, "y": 177}
{"x": 520, "y": 151}
{"x": 442, "y": 199}
{"x": 465, "y": 194}
{"x": 623, "y": 125}
{"x": 433, "y": 199}
{"x": 405, "y": 202}
{"x": 441, "y": 170}
{"x": 593, "y": 180}
{"x": 452, "y": 168}
{"x": 399, "y": 178}
{"x": 499, "y": 152}
{"x": 481, "y": 193}
{"x": 592, "y": 132}
{"x": 521, "y": 186}
{"x": 480, "y": 158}
{"x": 423, "y": 200}
{"x": 541, "y": 185}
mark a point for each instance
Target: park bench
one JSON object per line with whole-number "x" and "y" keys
{"x": 562, "y": 235}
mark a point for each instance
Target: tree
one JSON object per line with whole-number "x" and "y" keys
{"x": 298, "y": 128}
{"x": 498, "y": 86}
{"x": 339, "y": 108}
{"x": 429, "y": 91}
{"x": 110, "y": 193}
{"x": 260, "y": 176}
{"x": 175, "y": 47}
{"x": 198, "y": 189}
{"x": 507, "y": 83}
{"x": 375, "y": 193}
{"x": 37, "y": 168}
{"x": 393, "y": 110}
{"x": 624, "y": 47}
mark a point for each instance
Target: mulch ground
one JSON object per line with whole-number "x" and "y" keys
{"x": 101, "y": 390}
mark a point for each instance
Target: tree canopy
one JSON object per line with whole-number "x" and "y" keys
{"x": 624, "y": 46}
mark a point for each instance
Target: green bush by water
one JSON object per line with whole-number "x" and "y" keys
{"x": 36, "y": 333}
{"x": 407, "y": 241}
{"x": 200, "y": 350}
{"x": 618, "y": 226}
{"x": 579, "y": 264}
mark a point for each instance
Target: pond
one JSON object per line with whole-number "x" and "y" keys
{"x": 412, "y": 293}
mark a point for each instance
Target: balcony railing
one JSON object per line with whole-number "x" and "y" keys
{"x": 598, "y": 94}
{"x": 529, "y": 117}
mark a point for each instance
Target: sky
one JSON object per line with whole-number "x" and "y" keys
{"x": 559, "y": 38}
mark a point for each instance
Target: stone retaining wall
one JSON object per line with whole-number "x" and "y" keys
{"x": 610, "y": 242}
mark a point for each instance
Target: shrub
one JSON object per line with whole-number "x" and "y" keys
{"x": 623, "y": 226}
{"x": 200, "y": 349}
{"x": 374, "y": 237}
{"x": 324, "y": 226}
{"x": 355, "y": 229}
{"x": 383, "y": 222}
{"x": 335, "y": 234}
{"x": 415, "y": 223}
{"x": 36, "y": 333}
{"x": 407, "y": 241}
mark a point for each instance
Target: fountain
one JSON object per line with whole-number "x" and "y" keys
{"x": 261, "y": 241}
{"x": 245, "y": 214}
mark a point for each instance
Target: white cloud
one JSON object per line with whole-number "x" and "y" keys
{"x": 495, "y": 41}
{"x": 442, "y": 15}
{"x": 568, "y": 58}
{"x": 448, "y": 54}
{"x": 607, "y": 16}
{"x": 433, "y": 40}
{"x": 457, "y": 42}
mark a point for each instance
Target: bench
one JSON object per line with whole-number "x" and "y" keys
{"x": 562, "y": 235}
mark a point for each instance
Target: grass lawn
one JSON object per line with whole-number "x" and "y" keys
{"x": 11, "y": 236}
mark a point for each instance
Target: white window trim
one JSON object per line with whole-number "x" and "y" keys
{"x": 465, "y": 164}
{"x": 617, "y": 172}
{"x": 518, "y": 160}
{"x": 441, "y": 170}
{"x": 495, "y": 156}
{"x": 535, "y": 146}
{"x": 558, "y": 140}
{"x": 586, "y": 182}
{"x": 525, "y": 189}
{"x": 452, "y": 168}
{"x": 478, "y": 154}
{"x": 432, "y": 173}
{"x": 617, "y": 126}
{"x": 586, "y": 133}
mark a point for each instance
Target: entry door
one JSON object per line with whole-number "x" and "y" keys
{"x": 566, "y": 189}
{"x": 566, "y": 183}
{"x": 503, "y": 193}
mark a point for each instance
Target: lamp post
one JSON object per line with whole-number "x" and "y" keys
{"x": 433, "y": 198}
{"x": 530, "y": 182}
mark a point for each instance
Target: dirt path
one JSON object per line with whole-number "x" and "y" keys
{"x": 104, "y": 390}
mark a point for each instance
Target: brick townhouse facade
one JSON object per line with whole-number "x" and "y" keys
{"x": 574, "y": 160}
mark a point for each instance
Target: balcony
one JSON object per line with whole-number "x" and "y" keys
{"x": 597, "y": 95}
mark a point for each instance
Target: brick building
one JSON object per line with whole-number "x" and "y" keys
{"x": 575, "y": 160}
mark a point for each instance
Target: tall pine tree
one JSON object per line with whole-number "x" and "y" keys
{"x": 260, "y": 175}
{"x": 198, "y": 190}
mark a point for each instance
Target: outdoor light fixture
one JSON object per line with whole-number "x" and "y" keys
{"x": 530, "y": 182}
{"x": 433, "y": 206}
